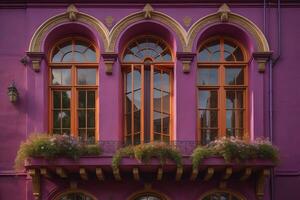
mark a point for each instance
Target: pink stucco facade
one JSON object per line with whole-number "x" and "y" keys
{"x": 18, "y": 23}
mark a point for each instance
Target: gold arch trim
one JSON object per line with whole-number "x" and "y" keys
{"x": 40, "y": 34}
{"x": 260, "y": 39}
{"x": 139, "y": 16}
{"x": 186, "y": 38}
{"x": 231, "y": 192}
{"x": 70, "y": 191}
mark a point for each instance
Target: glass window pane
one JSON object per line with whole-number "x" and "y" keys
{"x": 91, "y": 99}
{"x": 68, "y": 57}
{"x": 61, "y": 76}
{"x": 91, "y": 136}
{"x": 137, "y": 100}
{"x": 157, "y": 122}
{"x": 137, "y": 139}
{"x": 56, "y": 99}
{"x": 81, "y": 119}
{"x": 66, "y": 47}
{"x": 208, "y": 76}
{"x": 239, "y": 54}
{"x": 128, "y": 123}
{"x": 204, "y": 55}
{"x": 81, "y": 46}
{"x": 234, "y": 76}
{"x": 157, "y": 79}
{"x": 90, "y": 55}
{"x": 166, "y": 81}
{"x": 56, "y": 131}
{"x": 56, "y": 119}
{"x": 82, "y": 99}
{"x": 157, "y": 137}
{"x": 239, "y": 99}
{"x": 230, "y": 98}
{"x": 207, "y": 99}
{"x": 166, "y": 102}
{"x": 90, "y": 118}
{"x": 128, "y": 102}
{"x": 66, "y": 98}
{"x": 66, "y": 118}
{"x": 166, "y": 123}
{"x": 208, "y": 135}
{"x": 137, "y": 122}
{"x": 86, "y": 76}
{"x": 128, "y": 82}
{"x": 136, "y": 79}
{"x": 208, "y": 119}
{"x": 156, "y": 100}
{"x": 230, "y": 119}
{"x": 56, "y": 55}
{"x": 78, "y": 57}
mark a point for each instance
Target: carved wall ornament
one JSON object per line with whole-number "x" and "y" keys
{"x": 109, "y": 60}
{"x": 72, "y": 12}
{"x": 109, "y": 20}
{"x": 148, "y": 10}
{"x": 36, "y": 183}
{"x": 186, "y": 59}
{"x": 187, "y": 21}
{"x": 262, "y": 59}
{"x": 35, "y": 59}
{"x": 261, "y": 183}
{"x": 224, "y": 11}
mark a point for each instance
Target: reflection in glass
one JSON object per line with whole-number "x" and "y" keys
{"x": 147, "y": 47}
{"x": 147, "y": 197}
{"x": 208, "y": 76}
{"x": 61, "y": 76}
{"x": 210, "y": 52}
{"x": 234, "y": 76}
{"x": 221, "y": 196}
{"x": 86, "y": 76}
{"x": 75, "y": 196}
{"x": 207, "y": 99}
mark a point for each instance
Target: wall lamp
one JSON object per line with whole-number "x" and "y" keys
{"x": 12, "y": 92}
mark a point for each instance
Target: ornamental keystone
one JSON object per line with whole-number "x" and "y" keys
{"x": 224, "y": 10}
{"x": 148, "y": 10}
{"x": 72, "y": 12}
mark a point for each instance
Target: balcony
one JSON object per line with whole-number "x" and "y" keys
{"x": 223, "y": 160}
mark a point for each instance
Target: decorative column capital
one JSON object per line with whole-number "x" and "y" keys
{"x": 262, "y": 59}
{"x": 186, "y": 58}
{"x": 109, "y": 60}
{"x": 35, "y": 59}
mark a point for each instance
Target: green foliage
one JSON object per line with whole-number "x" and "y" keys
{"x": 51, "y": 147}
{"x": 233, "y": 149}
{"x": 144, "y": 153}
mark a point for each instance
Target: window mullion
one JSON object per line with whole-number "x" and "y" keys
{"x": 132, "y": 104}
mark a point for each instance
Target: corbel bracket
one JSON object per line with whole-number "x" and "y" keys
{"x": 109, "y": 60}
{"x": 36, "y": 183}
{"x": 35, "y": 59}
{"x": 186, "y": 59}
{"x": 260, "y": 183}
{"x": 262, "y": 59}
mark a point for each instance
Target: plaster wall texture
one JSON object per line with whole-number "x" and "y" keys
{"x": 29, "y": 114}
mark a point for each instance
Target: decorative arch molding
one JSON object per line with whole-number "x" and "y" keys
{"x": 148, "y": 190}
{"x": 70, "y": 15}
{"x": 70, "y": 191}
{"x": 226, "y": 16}
{"x": 146, "y": 13}
{"x": 236, "y": 194}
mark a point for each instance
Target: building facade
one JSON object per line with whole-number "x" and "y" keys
{"x": 128, "y": 73}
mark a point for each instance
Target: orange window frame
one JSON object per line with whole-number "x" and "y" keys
{"x": 73, "y": 87}
{"x": 162, "y": 66}
{"x": 221, "y": 87}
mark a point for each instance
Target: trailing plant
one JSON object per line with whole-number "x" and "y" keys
{"x": 144, "y": 152}
{"x": 53, "y": 146}
{"x": 233, "y": 149}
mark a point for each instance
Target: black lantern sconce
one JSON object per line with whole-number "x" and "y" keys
{"x": 12, "y": 92}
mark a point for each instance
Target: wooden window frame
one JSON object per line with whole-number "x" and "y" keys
{"x": 74, "y": 87}
{"x": 221, "y": 86}
{"x": 163, "y": 65}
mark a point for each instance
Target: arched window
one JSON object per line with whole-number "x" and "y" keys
{"x": 147, "y": 196}
{"x": 73, "y": 89}
{"x": 221, "y": 196}
{"x": 74, "y": 196}
{"x": 148, "y": 73}
{"x": 222, "y": 89}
